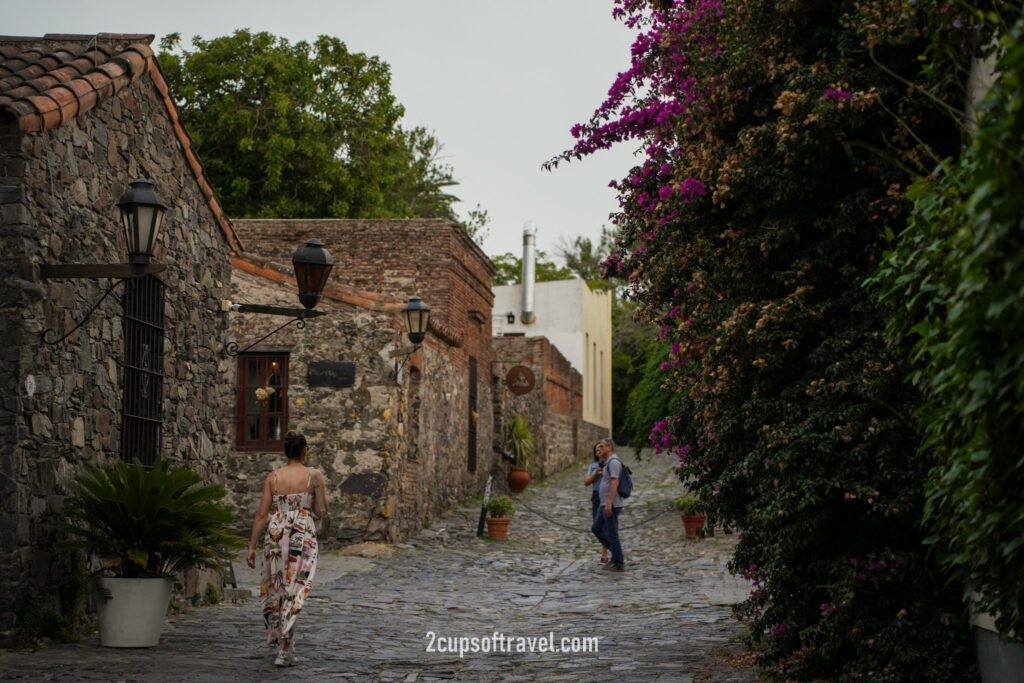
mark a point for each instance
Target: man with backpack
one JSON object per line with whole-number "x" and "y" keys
{"x": 606, "y": 521}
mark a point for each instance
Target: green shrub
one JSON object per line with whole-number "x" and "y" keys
{"x": 953, "y": 284}
{"x": 501, "y": 506}
{"x": 149, "y": 522}
{"x": 520, "y": 441}
{"x": 688, "y": 505}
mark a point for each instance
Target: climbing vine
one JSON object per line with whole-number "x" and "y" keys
{"x": 954, "y": 284}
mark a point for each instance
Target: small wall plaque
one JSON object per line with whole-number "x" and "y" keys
{"x": 331, "y": 374}
{"x": 520, "y": 380}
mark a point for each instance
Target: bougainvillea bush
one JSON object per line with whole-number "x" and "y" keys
{"x": 778, "y": 141}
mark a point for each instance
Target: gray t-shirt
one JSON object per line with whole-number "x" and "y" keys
{"x": 612, "y": 470}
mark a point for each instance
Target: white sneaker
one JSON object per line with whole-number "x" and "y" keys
{"x": 284, "y": 658}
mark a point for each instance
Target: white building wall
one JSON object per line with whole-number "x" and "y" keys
{"x": 578, "y": 322}
{"x": 597, "y": 321}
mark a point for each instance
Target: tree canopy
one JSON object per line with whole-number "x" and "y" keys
{"x": 303, "y": 130}
{"x": 510, "y": 269}
{"x": 584, "y": 258}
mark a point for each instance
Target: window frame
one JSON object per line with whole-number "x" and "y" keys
{"x": 245, "y": 401}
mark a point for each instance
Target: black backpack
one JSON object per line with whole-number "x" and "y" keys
{"x": 625, "y": 489}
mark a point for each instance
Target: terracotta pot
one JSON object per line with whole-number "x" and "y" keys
{"x": 693, "y": 524}
{"x": 497, "y": 527}
{"x": 518, "y": 479}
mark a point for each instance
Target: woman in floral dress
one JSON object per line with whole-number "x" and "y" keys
{"x": 290, "y": 545}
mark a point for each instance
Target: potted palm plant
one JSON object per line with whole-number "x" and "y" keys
{"x": 145, "y": 525}
{"x": 520, "y": 443}
{"x": 692, "y": 514}
{"x": 500, "y": 510}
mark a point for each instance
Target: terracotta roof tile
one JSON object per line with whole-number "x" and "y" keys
{"x": 22, "y": 93}
{"x": 20, "y": 108}
{"x": 53, "y": 67}
{"x": 46, "y": 81}
{"x": 67, "y": 101}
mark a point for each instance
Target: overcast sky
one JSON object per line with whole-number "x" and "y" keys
{"x": 499, "y": 82}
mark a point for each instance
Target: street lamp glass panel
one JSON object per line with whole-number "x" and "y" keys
{"x": 416, "y": 315}
{"x": 142, "y": 214}
{"x": 313, "y": 266}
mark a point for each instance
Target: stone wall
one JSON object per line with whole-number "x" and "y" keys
{"x": 352, "y": 432}
{"x": 58, "y": 191}
{"x": 553, "y": 407}
{"x": 438, "y": 475}
{"x": 395, "y": 453}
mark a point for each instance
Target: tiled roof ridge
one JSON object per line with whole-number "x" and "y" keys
{"x": 52, "y": 86}
{"x": 79, "y": 37}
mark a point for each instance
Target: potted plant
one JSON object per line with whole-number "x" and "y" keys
{"x": 520, "y": 443}
{"x": 145, "y": 525}
{"x": 499, "y": 509}
{"x": 692, "y": 514}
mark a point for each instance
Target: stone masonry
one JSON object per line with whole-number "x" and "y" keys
{"x": 58, "y": 189}
{"x": 396, "y": 454}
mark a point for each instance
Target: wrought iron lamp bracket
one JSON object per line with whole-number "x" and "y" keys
{"x": 408, "y": 355}
{"x": 301, "y": 315}
{"x": 78, "y": 271}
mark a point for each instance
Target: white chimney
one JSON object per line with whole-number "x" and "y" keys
{"x": 529, "y": 270}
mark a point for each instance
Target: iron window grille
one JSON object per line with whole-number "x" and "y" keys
{"x": 262, "y": 401}
{"x": 142, "y": 404}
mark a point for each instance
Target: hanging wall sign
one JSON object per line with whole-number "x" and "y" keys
{"x": 520, "y": 380}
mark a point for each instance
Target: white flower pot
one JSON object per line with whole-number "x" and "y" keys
{"x": 134, "y": 615}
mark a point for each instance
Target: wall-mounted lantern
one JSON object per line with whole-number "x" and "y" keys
{"x": 313, "y": 266}
{"x": 142, "y": 214}
{"x": 416, "y": 315}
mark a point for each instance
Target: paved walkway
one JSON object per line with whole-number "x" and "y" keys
{"x": 376, "y": 609}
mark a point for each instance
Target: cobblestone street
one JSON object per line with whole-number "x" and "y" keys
{"x": 373, "y": 608}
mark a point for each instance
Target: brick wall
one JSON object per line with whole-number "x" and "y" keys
{"x": 554, "y": 407}
{"x": 431, "y": 258}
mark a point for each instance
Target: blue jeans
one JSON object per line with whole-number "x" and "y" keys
{"x": 607, "y": 531}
